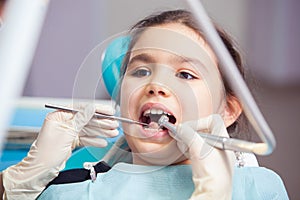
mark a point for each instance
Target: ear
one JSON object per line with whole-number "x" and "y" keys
{"x": 232, "y": 111}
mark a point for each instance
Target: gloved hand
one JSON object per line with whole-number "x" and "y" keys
{"x": 93, "y": 132}
{"x": 212, "y": 168}
{"x": 53, "y": 146}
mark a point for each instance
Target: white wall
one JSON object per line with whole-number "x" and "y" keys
{"x": 274, "y": 45}
{"x": 73, "y": 28}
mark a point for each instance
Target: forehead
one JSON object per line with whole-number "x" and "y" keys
{"x": 177, "y": 39}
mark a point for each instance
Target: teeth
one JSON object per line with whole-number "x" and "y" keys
{"x": 153, "y": 129}
{"x": 147, "y": 112}
{"x": 159, "y": 112}
{"x": 155, "y": 111}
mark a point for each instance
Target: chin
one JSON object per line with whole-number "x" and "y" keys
{"x": 157, "y": 154}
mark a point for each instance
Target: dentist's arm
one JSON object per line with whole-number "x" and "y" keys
{"x": 53, "y": 146}
{"x": 212, "y": 168}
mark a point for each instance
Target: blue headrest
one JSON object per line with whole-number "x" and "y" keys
{"x": 112, "y": 62}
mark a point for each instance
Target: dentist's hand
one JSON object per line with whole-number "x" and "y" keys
{"x": 53, "y": 146}
{"x": 96, "y": 130}
{"x": 212, "y": 168}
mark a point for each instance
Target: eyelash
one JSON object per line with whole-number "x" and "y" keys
{"x": 141, "y": 72}
{"x": 185, "y": 75}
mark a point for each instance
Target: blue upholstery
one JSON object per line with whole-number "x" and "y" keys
{"x": 112, "y": 61}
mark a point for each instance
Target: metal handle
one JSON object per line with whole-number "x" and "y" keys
{"x": 220, "y": 142}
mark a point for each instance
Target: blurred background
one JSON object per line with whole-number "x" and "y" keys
{"x": 267, "y": 32}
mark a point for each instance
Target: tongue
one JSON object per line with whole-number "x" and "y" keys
{"x": 153, "y": 125}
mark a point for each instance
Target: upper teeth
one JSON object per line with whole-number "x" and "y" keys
{"x": 155, "y": 111}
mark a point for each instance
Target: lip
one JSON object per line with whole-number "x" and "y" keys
{"x": 154, "y": 105}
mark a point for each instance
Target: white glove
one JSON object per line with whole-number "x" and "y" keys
{"x": 53, "y": 146}
{"x": 93, "y": 133}
{"x": 212, "y": 168}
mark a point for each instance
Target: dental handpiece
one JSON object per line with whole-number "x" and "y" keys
{"x": 219, "y": 142}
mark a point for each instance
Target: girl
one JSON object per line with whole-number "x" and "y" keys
{"x": 169, "y": 70}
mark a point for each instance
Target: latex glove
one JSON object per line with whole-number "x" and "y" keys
{"x": 93, "y": 133}
{"x": 212, "y": 168}
{"x": 53, "y": 146}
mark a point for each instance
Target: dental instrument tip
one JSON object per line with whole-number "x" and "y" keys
{"x": 162, "y": 120}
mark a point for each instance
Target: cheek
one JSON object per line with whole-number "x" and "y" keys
{"x": 196, "y": 103}
{"x": 205, "y": 105}
{"x": 128, "y": 98}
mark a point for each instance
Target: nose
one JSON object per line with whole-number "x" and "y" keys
{"x": 157, "y": 90}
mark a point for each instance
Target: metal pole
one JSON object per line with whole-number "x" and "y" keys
{"x": 230, "y": 70}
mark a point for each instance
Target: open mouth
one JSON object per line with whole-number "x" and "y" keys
{"x": 152, "y": 115}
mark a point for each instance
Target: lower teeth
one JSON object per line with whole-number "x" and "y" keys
{"x": 153, "y": 129}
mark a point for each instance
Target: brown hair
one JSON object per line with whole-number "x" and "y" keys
{"x": 186, "y": 18}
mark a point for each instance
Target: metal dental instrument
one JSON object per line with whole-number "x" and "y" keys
{"x": 98, "y": 115}
{"x": 218, "y": 141}
{"x": 232, "y": 75}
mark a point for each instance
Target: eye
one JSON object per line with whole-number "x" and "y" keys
{"x": 186, "y": 75}
{"x": 141, "y": 72}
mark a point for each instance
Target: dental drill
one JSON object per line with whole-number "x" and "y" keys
{"x": 219, "y": 142}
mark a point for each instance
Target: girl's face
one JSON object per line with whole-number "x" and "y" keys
{"x": 173, "y": 72}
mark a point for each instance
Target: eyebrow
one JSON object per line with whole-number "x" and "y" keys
{"x": 148, "y": 58}
{"x": 144, "y": 57}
